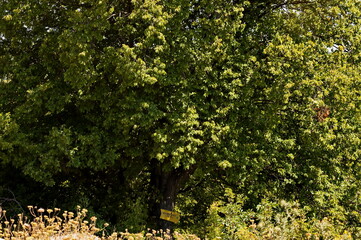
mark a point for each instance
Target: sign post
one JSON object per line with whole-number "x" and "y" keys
{"x": 169, "y": 216}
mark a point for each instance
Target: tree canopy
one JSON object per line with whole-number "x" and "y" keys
{"x": 170, "y": 97}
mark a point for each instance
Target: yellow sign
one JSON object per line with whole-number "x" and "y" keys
{"x": 169, "y": 216}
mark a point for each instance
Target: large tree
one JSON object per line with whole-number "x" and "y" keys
{"x": 262, "y": 95}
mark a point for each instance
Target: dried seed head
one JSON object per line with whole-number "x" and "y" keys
{"x": 41, "y": 210}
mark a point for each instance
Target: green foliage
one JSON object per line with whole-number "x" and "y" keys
{"x": 272, "y": 220}
{"x": 227, "y": 220}
{"x": 136, "y": 216}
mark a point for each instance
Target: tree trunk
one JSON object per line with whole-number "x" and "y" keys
{"x": 167, "y": 185}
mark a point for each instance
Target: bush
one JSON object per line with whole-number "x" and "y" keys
{"x": 271, "y": 220}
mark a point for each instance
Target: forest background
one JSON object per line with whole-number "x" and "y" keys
{"x": 127, "y": 107}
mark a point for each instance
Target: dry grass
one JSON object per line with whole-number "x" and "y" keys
{"x": 51, "y": 224}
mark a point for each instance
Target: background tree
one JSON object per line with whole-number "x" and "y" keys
{"x": 160, "y": 95}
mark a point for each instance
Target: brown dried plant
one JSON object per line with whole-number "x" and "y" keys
{"x": 51, "y": 224}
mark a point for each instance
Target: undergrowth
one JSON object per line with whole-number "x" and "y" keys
{"x": 51, "y": 224}
{"x": 226, "y": 221}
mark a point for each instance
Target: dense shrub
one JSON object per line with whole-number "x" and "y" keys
{"x": 272, "y": 220}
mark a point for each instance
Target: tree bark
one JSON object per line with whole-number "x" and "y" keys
{"x": 167, "y": 185}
